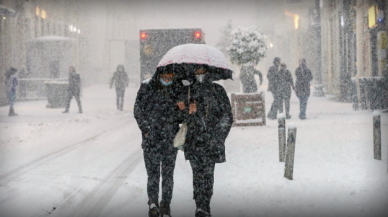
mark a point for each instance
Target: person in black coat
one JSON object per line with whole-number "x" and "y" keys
{"x": 302, "y": 86}
{"x": 284, "y": 89}
{"x": 248, "y": 80}
{"x": 74, "y": 89}
{"x": 273, "y": 82}
{"x": 209, "y": 123}
{"x": 158, "y": 117}
{"x": 120, "y": 79}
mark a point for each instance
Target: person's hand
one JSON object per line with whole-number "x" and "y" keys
{"x": 181, "y": 105}
{"x": 146, "y": 134}
{"x": 110, "y": 87}
{"x": 192, "y": 108}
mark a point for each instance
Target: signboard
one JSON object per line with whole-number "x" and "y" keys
{"x": 248, "y": 109}
{"x": 372, "y": 16}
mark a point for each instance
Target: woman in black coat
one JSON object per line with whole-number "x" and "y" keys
{"x": 209, "y": 123}
{"x": 158, "y": 117}
{"x": 302, "y": 86}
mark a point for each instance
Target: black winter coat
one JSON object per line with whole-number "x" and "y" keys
{"x": 273, "y": 79}
{"x": 157, "y": 114}
{"x": 210, "y": 125}
{"x": 120, "y": 79}
{"x": 247, "y": 78}
{"x": 303, "y": 79}
{"x": 285, "y": 83}
{"x": 74, "y": 83}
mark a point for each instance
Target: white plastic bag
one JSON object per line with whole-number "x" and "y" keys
{"x": 180, "y": 137}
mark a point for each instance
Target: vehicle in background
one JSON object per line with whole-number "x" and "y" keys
{"x": 154, "y": 44}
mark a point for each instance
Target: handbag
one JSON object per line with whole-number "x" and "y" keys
{"x": 180, "y": 137}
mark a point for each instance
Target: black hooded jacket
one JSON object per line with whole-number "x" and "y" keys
{"x": 74, "y": 83}
{"x": 210, "y": 125}
{"x": 303, "y": 79}
{"x": 273, "y": 78}
{"x": 157, "y": 114}
{"x": 285, "y": 82}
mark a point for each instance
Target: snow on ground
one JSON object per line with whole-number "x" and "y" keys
{"x": 91, "y": 164}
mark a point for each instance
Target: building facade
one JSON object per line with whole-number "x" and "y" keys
{"x": 352, "y": 49}
{"x": 22, "y": 21}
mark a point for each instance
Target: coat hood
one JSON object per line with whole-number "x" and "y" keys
{"x": 120, "y": 66}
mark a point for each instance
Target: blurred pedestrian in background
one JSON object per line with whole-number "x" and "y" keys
{"x": 302, "y": 86}
{"x": 284, "y": 89}
{"x": 120, "y": 79}
{"x": 74, "y": 89}
{"x": 273, "y": 82}
{"x": 11, "y": 82}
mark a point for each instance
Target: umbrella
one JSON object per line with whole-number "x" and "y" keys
{"x": 184, "y": 58}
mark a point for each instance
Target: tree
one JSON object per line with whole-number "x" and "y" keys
{"x": 226, "y": 39}
{"x": 247, "y": 46}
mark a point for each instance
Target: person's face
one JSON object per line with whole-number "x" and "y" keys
{"x": 167, "y": 77}
{"x": 277, "y": 63}
{"x": 71, "y": 70}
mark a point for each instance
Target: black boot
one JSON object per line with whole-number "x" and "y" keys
{"x": 201, "y": 213}
{"x": 154, "y": 210}
{"x": 66, "y": 111}
{"x": 164, "y": 209}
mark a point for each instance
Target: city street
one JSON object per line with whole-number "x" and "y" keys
{"x": 91, "y": 164}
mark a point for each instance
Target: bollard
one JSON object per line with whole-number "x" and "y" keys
{"x": 290, "y": 154}
{"x": 282, "y": 136}
{"x": 376, "y": 135}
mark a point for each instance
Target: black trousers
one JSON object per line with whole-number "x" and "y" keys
{"x": 154, "y": 161}
{"x": 285, "y": 98}
{"x": 120, "y": 98}
{"x": 276, "y": 104}
{"x": 203, "y": 181}
{"x": 77, "y": 98}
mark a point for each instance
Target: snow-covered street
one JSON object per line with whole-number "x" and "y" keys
{"x": 91, "y": 164}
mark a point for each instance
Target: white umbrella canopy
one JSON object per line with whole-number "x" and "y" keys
{"x": 198, "y": 54}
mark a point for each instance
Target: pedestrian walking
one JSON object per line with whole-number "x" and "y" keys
{"x": 74, "y": 89}
{"x": 273, "y": 82}
{"x": 158, "y": 116}
{"x": 302, "y": 86}
{"x": 120, "y": 80}
{"x": 11, "y": 82}
{"x": 284, "y": 89}
{"x": 247, "y": 78}
{"x": 209, "y": 123}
